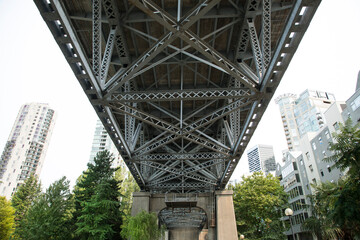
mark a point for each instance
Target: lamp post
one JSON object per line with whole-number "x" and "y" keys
{"x": 242, "y": 237}
{"x": 289, "y": 212}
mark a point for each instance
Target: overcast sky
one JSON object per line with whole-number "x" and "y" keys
{"x": 33, "y": 69}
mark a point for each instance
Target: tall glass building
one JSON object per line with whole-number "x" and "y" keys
{"x": 101, "y": 142}
{"x": 303, "y": 114}
{"x": 24, "y": 152}
{"x": 261, "y": 158}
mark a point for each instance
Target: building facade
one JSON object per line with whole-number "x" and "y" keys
{"x": 24, "y": 152}
{"x": 261, "y": 158}
{"x": 305, "y": 167}
{"x": 293, "y": 177}
{"x": 303, "y": 114}
{"x": 353, "y": 105}
{"x": 101, "y": 142}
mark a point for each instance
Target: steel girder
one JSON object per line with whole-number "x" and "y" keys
{"x": 180, "y": 87}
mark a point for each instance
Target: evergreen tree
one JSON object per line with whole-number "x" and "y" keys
{"x": 100, "y": 217}
{"x": 258, "y": 202}
{"x": 50, "y": 216}
{"x": 96, "y": 172}
{"x": 23, "y": 198}
{"x": 6, "y": 219}
{"x": 97, "y": 199}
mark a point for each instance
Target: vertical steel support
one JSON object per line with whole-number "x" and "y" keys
{"x": 266, "y": 33}
{"x": 96, "y": 44}
{"x": 255, "y": 47}
{"x": 107, "y": 57}
{"x": 235, "y": 116}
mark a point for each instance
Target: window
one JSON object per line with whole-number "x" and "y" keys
{"x": 355, "y": 104}
{"x": 327, "y": 134}
{"x": 329, "y": 169}
{"x": 308, "y": 155}
{"x": 311, "y": 168}
{"x": 324, "y": 154}
{"x": 321, "y": 172}
{"x": 336, "y": 125}
{"x": 320, "y": 140}
{"x": 314, "y": 145}
{"x": 314, "y": 180}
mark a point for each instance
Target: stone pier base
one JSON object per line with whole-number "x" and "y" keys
{"x": 222, "y": 226}
{"x": 225, "y": 216}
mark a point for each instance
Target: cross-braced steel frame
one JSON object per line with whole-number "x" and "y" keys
{"x": 181, "y": 85}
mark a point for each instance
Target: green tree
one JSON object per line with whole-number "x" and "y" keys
{"x": 50, "y": 215}
{"x": 346, "y": 148}
{"x": 23, "y": 198}
{"x": 143, "y": 226}
{"x": 97, "y": 197}
{"x": 322, "y": 204}
{"x": 7, "y": 223}
{"x": 101, "y": 217}
{"x": 96, "y": 172}
{"x": 258, "y": 201}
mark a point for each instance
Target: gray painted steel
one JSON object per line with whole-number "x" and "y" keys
{"x": 179, "y": 85}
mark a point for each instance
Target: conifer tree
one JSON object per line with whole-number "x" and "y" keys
{"x": 50, "y": 215}
{"x": 25, "y": 196}
{"x": 97, "y": 197}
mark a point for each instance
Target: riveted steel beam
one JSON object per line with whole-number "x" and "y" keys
{"x": 179, "y": 156}
{"x": 96, "y": 43}
{"x": 266, "y": 33}
{"x": 187, "y": 94}
{"x": 255, "y": 45}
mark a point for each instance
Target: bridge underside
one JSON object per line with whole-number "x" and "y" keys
{"x": 180, "y": 85}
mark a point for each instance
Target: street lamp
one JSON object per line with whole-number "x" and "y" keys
{"x": 242, "y": 236}
{"x": 289, "y": 212}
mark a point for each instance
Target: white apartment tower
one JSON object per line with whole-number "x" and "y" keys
{"x": 25, "y": 150}
{"x": 303, "y": 114}
{"x": 261, "y": 158}
{"x": 101, "y": 142}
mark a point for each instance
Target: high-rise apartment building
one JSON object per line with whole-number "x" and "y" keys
{"x": 353, "y": 105}
{"x": 305, "y": 167}
{"x": 25, "y": 150}
{"x": 303, "y": 114}
{"x": 101, "y": 142}
{"x": 261, "y": 158}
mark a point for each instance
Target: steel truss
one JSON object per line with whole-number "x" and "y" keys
{"x": 180, "y": 87}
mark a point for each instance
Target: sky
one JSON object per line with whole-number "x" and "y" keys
{"x": 33, "y": 69}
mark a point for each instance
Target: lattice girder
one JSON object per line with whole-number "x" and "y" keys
{"x": 179, "y": 86}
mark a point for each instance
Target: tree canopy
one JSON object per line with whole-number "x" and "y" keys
{"x": 7, "y": 223}
{"x": 97, "y": 196}
{"x": 336, "y": 206}
{"x": 258, "y": 201}
{"x": 50, "y": 215}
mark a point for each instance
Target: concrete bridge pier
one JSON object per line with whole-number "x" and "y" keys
{"x": 218, "y": 226}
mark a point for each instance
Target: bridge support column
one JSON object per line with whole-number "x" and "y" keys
{"x": 141, "y": 201}
{"x": 225, "y": 215}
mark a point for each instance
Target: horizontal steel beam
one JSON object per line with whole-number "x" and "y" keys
{"x": 173, "y": 95}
